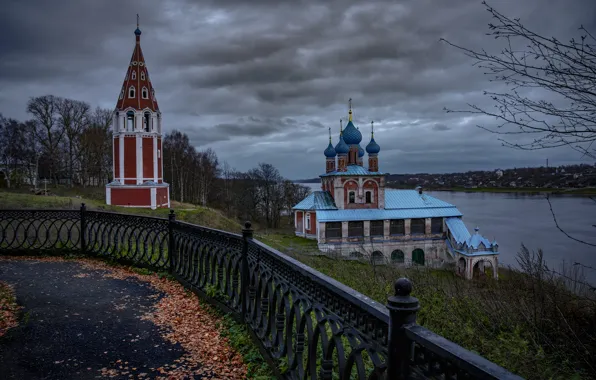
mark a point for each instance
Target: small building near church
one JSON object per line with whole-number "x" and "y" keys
{"x": 355, "y": 215}
{"x": 137, "y": 141}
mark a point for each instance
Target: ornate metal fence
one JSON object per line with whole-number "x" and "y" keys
{"x": 310, "y": 325}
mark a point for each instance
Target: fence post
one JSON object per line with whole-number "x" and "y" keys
{"x": 171, "y": 220}
{"x": 402, "y": 312}
{"x": 246, "y": 238}
{"x": 83, "y": 229}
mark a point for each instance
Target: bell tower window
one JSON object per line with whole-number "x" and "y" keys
{"x": 145, "y": 93}
{"x": 131, "y": 92}
{"x": 147, "y": 121}
{"x": 352, "y": 197}
{"x": 130, "y": 121}
{"x": 142, "y": 75}
{"x": 134, "y": 75}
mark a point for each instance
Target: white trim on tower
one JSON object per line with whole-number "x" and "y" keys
{"x": 139, "y": 150}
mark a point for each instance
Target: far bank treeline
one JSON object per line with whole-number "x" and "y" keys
{"x": 68, "y": 143}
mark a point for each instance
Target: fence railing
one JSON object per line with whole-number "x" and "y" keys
{"x": 308, "y": 324}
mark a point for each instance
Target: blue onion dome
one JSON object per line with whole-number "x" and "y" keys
{"x": 360, "y": 151}
{"x": 342, "y": 147}
{"x": 373, "y": 147}
{"x": 330, "y": 151}
{"x": 352, "y": 136}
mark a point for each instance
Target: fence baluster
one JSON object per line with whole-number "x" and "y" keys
{"x": 83, "y": 229}
{"x": 246, "y": 238}
{"x": 171, "y": 244}
{"x": 402, "y": 312}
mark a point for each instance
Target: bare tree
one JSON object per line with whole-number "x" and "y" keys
{"x": 208, "y": 171}
{"x": 73, "y": 116}
{"x": 551, "y": 95}
{"x": 44, "y": 110}
{"x": 96, "y": 148}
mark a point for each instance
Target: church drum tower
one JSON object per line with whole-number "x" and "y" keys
{"x": 137, "y": 141}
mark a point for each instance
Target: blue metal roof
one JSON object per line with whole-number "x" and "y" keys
{"x": 330, "y": 151}
{"x": 352, "y": 136}
{"x": 475, "y": 240}
{"x": 458, "y": 229}
{"x": 317, "y": 200}
{"x": 405, "y": 199}
{"x": 352, "y": 170}
{"x": 469, "y": 254}
{"x": 373, "y": 147}
{"x": 375, "y": 214}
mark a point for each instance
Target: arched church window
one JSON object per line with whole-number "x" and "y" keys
{"x": 145, "y": 93}
{"x": 147, "y": 121}
{"x": 134, "y": 75}
{"x": 142, "y": 75}
{"x": 130, "y": 121}
{"x": 131, "y": 92}
{"x": 368, "y": 197}
{"x": 351, "y": 197}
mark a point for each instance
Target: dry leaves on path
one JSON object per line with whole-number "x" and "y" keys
{"x": 181, "y": 319}
{"x": 8, "y": 308}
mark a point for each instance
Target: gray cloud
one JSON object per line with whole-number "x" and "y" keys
{"x": 262, "y": 81}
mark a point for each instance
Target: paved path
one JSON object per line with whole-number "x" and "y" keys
{"x": 77, "y": 322}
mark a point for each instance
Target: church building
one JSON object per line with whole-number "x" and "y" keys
{"x": 355, "y": 215}
{"x": 137, "y": 141}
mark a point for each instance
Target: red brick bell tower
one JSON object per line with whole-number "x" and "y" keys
{"x": 137, "y": 141}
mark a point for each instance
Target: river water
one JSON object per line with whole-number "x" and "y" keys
{"x": 516, "y": 218}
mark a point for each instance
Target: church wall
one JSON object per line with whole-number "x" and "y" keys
{"x": 147, "y": 158}
{"x": 435, "y": 250}
{"x": 299, "y": 222}
{"x": 162, "y": 197}
{"x": 130, "y": 159}
{"x": 350, "y": 185}
{"x": 313, "y": 223}
{"x": 131, "y": 196}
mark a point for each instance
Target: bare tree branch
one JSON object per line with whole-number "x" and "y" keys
{"x": 562, "y": 112}
{"x": 562, "y": 230}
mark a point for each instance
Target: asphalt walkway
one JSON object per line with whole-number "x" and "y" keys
{"x": 78, "y": 324}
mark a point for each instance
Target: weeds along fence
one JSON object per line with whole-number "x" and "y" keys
{"x": 307, "y": 324}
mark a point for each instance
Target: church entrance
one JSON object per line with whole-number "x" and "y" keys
{"x": 418, "y": 256}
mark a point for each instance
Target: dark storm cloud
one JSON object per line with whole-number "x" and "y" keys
{"x": 263, "y": 80}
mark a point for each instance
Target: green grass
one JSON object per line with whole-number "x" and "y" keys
{"x": 240, "y": 340}
{"x": 285, "y": 242}
{"x": 488, "y": 317}
{"x": 204, "y": 216}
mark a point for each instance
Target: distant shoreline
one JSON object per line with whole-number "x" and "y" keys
{"x": 579, "y": 191}
{"x": 528, "y": 190}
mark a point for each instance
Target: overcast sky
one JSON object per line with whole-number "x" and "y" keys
{"x": 262, "y": 80}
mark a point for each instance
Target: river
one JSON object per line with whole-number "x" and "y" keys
{"x": 516, "y": 218}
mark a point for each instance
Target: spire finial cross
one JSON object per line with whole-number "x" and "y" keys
{"x": 341, "y": 127}
{"x": 137, "y": 20}
{"x": 329, "y": 135}
{"x": 372, "y": 129}
{"x": 350, "y": 112}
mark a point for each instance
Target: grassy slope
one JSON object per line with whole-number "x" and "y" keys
{"x": 189, "y": 213}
